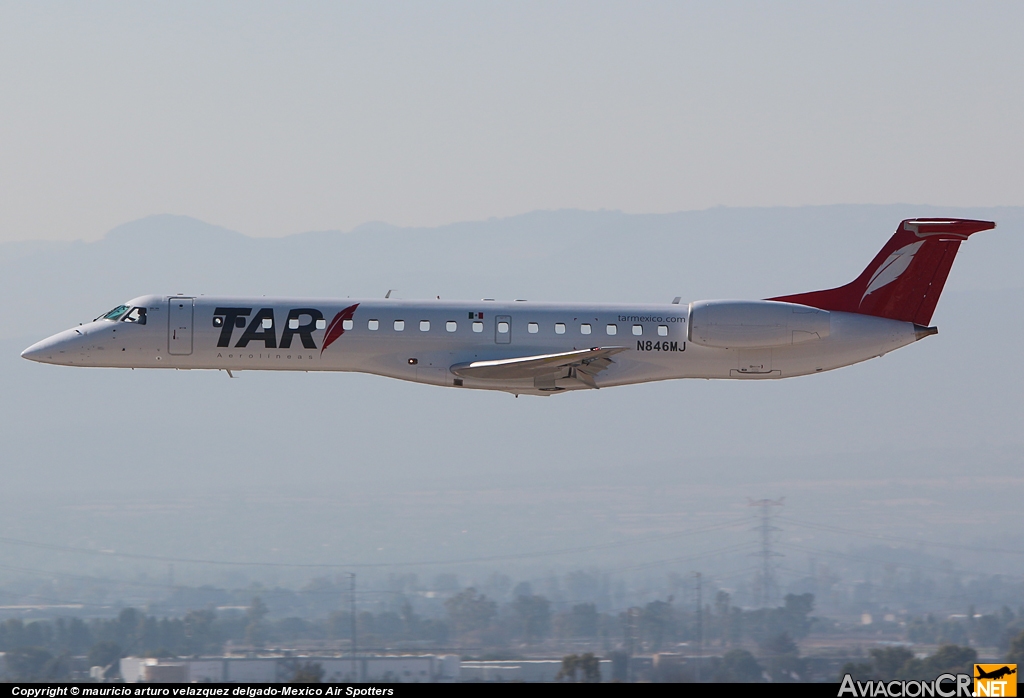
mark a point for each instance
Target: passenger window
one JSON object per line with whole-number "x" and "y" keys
{"x": 638, "y": 330}
{"x": 267, "y": 323}
{"x": 399, "y": 325}
{"x": 478, "y": 326}
{"x": 585, "y": 328}
{"x": 559, "y": 328}
{"x": 502, "y": 327}
{"x": 663, "y": 330}
{"x": 321, "y": 324}
{"x": 293, "y": 323}
{"x": 611, "y": 329}
{"x": 346, "y": 324}
{"x": 372, "y": 325}
{"x": 532, "y": 328}
{"x": 424, "y": 325}
{"x": 451, "y": 326}
{"x": 138, "y": 315}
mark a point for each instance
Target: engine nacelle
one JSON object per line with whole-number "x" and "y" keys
{"x": 741, "y": 324}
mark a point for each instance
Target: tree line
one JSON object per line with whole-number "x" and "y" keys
{"x": 472, "y": 623}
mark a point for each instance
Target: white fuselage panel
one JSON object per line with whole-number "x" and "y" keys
{"x": 421, "y": 340}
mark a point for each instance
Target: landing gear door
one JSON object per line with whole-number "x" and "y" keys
{"x": 179, "y": 326}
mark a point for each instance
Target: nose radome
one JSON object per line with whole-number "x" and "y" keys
{"x": 35, "y": 352}
{"x": 45, "y": 351}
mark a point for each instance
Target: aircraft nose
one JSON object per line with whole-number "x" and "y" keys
{"x": 49, "y": 350}
{"x": 37, "y": 351}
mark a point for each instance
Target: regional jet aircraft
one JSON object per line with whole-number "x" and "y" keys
{"x": 536, "y": 348}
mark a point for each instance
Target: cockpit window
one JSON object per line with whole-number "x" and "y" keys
{"x": 115, "y": 314}
{"x": 137, "y": 315}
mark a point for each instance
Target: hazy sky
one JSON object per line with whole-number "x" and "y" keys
{"x": 274, "y": 118}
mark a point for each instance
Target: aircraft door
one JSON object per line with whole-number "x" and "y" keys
{"x": 179, "y": 326}
{"x": 503, "y": 329}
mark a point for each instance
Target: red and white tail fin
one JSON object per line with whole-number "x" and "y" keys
{"x": 904, "y": 280}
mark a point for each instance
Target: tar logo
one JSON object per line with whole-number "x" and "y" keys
{"x": 337, "y": 326}
{"x": 995, "y": 680}
{"x": 300, "y": 323}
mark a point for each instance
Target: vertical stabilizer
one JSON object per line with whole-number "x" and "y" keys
{"x": 904, "y": 280}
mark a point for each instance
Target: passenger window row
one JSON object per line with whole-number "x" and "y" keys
{"x": 611, "y": 329}
{"x": 503, "y": 327}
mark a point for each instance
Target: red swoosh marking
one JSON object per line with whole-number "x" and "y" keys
{"x": 336, "y": 328}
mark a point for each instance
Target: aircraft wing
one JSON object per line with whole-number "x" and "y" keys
{"x": 582, "y": 364}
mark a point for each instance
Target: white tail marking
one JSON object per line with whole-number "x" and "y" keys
{"x": 892, "y": 268}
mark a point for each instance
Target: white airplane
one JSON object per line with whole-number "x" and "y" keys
{"x": 536, "y": 348}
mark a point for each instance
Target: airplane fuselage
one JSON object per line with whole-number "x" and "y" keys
{"x": 442, "y": 343}
{"x": 537, "y": 348}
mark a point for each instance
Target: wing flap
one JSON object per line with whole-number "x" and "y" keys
{"x": 584, "y": 361}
